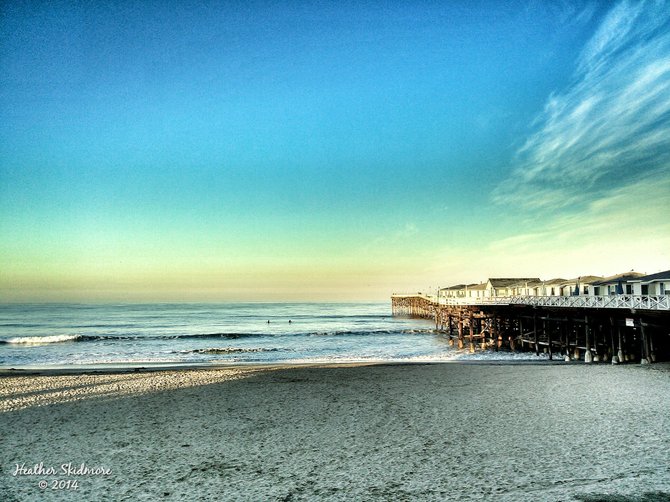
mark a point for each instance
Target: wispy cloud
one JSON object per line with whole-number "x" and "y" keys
{"x": 611, "y": 126}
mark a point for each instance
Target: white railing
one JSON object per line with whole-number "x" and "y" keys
{"x": 642, "y": 302}
{"x": 429, "y": 298}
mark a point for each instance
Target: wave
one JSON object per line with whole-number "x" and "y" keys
{"x": 373, "y": 332}
{"x": 90, "y": 338}
{"x": 41, "y": 340}
{"x": 228, "y": 350}
{"x": 341, "y": 316}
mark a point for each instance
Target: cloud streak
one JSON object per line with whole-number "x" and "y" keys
{"x": 611, "y": 127}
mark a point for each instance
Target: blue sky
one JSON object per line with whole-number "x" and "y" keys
{"x": 315, "y": 150}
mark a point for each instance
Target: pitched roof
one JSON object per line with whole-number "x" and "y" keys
{"x": 552, "y": 282}
{"x": 585, "y": 279}
{"x": 475, "y": 287}
{"x": 453, "y": 288}
{"x": 503, "y": 282}
{"x": 459, "y": 287}
{"x": 626, "y": 276}
{"x": 660, "y": 276}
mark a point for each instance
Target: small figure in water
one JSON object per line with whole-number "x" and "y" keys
{"x": 268, "y": 321}
{"x": 289, "y": 321}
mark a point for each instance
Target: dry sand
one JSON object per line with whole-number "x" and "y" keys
{"x": 393, "y": 432}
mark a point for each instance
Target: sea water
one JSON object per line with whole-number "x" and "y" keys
{"x": 240, "y": 333}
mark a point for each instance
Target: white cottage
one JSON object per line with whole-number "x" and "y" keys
{"x": 579, "y": 286}
{"x": 507, "y": 286}
{"x": 652, "y": 285}
{"x": 463, "y": 291}
{"x": 552, "y": 287}
{"x": 619, "y": 284}
{"x": 475, "y": 290}
{"x": 457, "y": 291}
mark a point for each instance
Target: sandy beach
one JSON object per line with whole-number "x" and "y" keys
{"x": 388, "y": 432}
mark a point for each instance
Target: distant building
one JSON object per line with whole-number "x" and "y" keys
{"x": 579, "y": 286}
{"x": 506, "y": 286}
{"x": 457, "y": 291}
{"x": 620, "y": 284}
{"x": 553, "y": 287}
{"x": 629, "y": 283}
{"x": 475, "y": 290}
{"x": 463, "y": 291}
{"x": 652, "y": 285}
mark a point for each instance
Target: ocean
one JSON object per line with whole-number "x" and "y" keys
{"x": 41, "y": 335}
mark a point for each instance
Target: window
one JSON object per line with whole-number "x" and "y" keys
{"x": 629, "y": 289}
{"x": 645, "y": 289}
{"x": 596, "y": 290}
{"x": 661, "y": 288}
{"x": 586, "y": 290}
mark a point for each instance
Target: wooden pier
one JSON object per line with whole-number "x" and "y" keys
{"x": 588, "y": 333}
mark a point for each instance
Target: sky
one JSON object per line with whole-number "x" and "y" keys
{"x": 313, "y": 151}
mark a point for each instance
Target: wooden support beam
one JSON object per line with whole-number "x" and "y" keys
{"x": 645, "y": 358}
{"x": 482, "y": 332}
{"x": 566, "y": 334}
{"x": 615, "y": 354}
{"x": 588, "y": 356}
{"x": 652, "y": 349}
{"x": 620, "y": 352}
{"x": 471, "y": 330}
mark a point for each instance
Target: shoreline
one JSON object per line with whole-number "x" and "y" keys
{"x": 113, "y": 368}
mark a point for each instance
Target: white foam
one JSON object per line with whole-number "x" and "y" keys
{"x": 41, "y": 340}
{"x": 456, "y": 355}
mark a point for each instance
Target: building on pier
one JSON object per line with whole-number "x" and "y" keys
{"x": 580, "y": 286}
{"x": 619, "y": 284}
{"x": 654, "y": 284}
{"x": 457, "y": 291}
{"x": 507, "y": 286}
{"x": 589, "y": 285}
{"x": 463, "y": 291}
{"x": 476, "y": 291}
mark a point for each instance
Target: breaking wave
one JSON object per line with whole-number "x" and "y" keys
{"x": 373, "y": 332}
{"x": 228, "y": 350}
{"x": 41, "y": 340}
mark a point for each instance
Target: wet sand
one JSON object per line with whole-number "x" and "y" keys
{"x": 388, "y": 432}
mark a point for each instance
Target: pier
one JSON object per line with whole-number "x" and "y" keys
{"x": 613, "y": 328}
